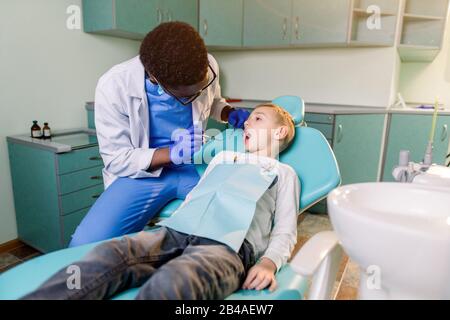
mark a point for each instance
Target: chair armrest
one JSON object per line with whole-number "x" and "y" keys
{"x": 319, "y": 258}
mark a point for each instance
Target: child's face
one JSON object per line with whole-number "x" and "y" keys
{"x": 262, "y": 132}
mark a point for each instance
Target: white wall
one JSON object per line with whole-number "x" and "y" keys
{"x": 348, "y": 76}
{"x": 47, "y": 72}
{"x": 422, "y": 82}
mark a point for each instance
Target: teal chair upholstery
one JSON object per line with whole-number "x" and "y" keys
{"x": 311, "y": 157}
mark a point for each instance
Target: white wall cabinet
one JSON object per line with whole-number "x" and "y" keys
{"x": 320, "y": 22}
{"x": 422, "y": 32}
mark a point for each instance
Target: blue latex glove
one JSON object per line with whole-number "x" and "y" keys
{"x": 237, "y": 118}
{"x": 186, "y": 143}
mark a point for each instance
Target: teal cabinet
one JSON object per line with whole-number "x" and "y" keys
{"x": 133, "y": 19}
{"x": 267, "y": 23}
{"x": 122, "y": 18}
{"x": 136, "y": 17}
{"x": 221, "y": 22}
{"x": 411, "y": 132}
{"x": 356, "y": 141}
{"x": 52, "y": 191}
{"x": 320, "y": 22}
{"x": 181, "y": 10}
{"x": 357, "y": 146}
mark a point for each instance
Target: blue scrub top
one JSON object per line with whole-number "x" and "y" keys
{"x": 166, "y": 115}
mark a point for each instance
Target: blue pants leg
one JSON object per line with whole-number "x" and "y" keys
{"x": 127, "y": 205}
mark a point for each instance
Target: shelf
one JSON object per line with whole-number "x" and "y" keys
{"x": 364, "y": 13}
{"x": 357, "y": 43}
{"x": 426, "y": 8}
{"x": 360, "y": 34}
{"x": 408, "y": 16}
{"x": 422, "y": 32}
{"x": 413, "y": 53}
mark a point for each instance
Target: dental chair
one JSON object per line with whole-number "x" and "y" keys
{"x": 312, "y": 271}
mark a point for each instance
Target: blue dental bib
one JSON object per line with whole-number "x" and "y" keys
{"x": 222, "y": 205}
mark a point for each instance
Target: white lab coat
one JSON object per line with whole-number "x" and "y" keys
{"x": 122, "y": 119}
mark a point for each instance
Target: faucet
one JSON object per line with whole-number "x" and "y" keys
{"x": 407, "y": 170}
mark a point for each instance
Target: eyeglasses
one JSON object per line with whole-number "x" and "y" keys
{"x": 186, "y": 100}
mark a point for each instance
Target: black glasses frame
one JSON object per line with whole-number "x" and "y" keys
{"x": 190, "y": 98}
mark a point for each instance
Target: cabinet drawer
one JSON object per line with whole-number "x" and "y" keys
{"x": 78, "y": 180}
{"x": 326, "y": 129}
{"x": 78, "y": 160}
{"x": 319, "y": 117}
{"x": 81, "y": 199}
{"x": 70, "y": 224}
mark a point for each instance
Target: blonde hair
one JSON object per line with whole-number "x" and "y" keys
{"x": 283, "y": 118}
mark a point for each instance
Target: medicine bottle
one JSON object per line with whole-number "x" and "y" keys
{"x": 46, "y": 132}
{"x": 36, "y": 130}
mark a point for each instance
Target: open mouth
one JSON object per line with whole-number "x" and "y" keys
{"x": 247, "y": 137}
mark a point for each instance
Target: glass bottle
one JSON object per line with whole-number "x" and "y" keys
{"x": 36, "y": 130}
{"x": 46, "y": 132}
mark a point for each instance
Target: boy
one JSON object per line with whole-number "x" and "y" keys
{"x": 170, "y": 264}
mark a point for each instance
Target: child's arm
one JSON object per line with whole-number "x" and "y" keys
{"x": 282, "y": 238}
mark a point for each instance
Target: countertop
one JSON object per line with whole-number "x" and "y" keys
{"x": 62, "y": 141}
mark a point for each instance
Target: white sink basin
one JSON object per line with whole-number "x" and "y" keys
{"x": 400, "y": 231}
{"x": 435, "y": 176}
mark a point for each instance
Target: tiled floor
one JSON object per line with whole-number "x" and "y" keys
{"x": 16, "y": 256}
{"x": 346, "y": 286}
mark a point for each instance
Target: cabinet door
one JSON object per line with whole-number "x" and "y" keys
{"x": 220, "y": 22}
{"x": 267, "y": 22}
{"x": 411, "y": 132}
{"x": 136, "y": 18}
{"x": 324, "y": 21}
{"x": 357, "y": 146}
{"x": 181, "y": 10}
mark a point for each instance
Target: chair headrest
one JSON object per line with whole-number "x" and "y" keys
{"x": 294, "y": 105}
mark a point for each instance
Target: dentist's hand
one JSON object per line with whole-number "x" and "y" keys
{"x": 237, "y": 118}
{"x": 261, "y": 275}
{"x": 187, "y": 142}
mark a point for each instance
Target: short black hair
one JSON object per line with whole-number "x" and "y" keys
{"x": 175, "y": 54}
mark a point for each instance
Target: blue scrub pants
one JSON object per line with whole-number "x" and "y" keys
{"x": 127, "y": 205}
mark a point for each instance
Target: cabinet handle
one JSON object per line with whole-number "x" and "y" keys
{"x": 159, "y": 15}
{"x": 95, "y": 196}
{"x": 205, "y": 27}
{"x": 444, "y": 133}
{"x": 95, "y": 158}
{"x": 96, "y": 178}
{"x": 297, "y": 25}
{"x": 284, "y": 28}
{"x": 169, "y": 15}
{"x": 339, "y": 134}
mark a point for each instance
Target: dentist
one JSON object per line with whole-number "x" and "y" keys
{"x": 140, "y": 107}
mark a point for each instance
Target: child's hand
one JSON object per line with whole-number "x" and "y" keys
{"x": 261, "y": 275}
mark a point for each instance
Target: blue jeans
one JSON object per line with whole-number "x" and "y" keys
{"x": 166, "y": 264}
{"x": 127, "y": 205}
